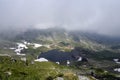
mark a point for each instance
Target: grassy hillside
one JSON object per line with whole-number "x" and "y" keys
{"x": 19, "y": 70}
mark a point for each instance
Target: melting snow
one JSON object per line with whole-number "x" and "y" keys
{"x": 41, "y": 60}
{"x": 18, "y": 50}
{"x": 116, "y": 61}
{"x": 21, "y": 45}
{"x": 36, "y": 45}
{"x": 25, "y": 42}
{"x": 58, "y": 62}
{"x": 117, "y": 69}
{"x": 68, "y": 62}
{"x": 80, "y": 59}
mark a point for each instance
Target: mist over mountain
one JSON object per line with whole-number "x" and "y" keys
{"x": 59, "y": 39}
{"x": 61, "y": 34}
{"x": 54, "y": 33}
{"x": 94, "y": 16}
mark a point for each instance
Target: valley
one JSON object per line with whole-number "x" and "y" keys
{"x": 58, "y": 54}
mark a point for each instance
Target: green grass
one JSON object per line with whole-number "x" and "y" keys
{"x": 37, "y": 71}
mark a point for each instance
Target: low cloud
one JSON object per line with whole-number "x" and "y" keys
{"x": 101, "y": 16}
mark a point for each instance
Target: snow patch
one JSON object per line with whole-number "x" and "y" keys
{"x": 41, "y": 60}
{"x": 80, "y": 59}
{"x": 21, "y": 45}
{"x": 116, "y": 61}
{"x": 117, "y": 69}
{"x": 18, "y": 50}
{"x": 57, "y": 62}
{"x": 37, "y": 45}
{"x": 68, "y": 62}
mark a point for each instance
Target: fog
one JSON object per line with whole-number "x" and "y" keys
{"x": 101, "y": 16}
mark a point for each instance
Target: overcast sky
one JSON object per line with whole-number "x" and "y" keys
{"x": 102, "y": 16}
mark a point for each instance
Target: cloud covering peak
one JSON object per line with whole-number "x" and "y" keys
{"x": 101, "y": 16}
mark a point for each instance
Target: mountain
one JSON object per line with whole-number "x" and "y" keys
{"x": 58, "y": 34}
{"x": 87, "y": 40}
{"x": 78, "y": 52}
{"x": 66, "y": 41}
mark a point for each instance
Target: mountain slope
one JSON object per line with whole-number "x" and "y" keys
{"x": 74, "y": 38}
